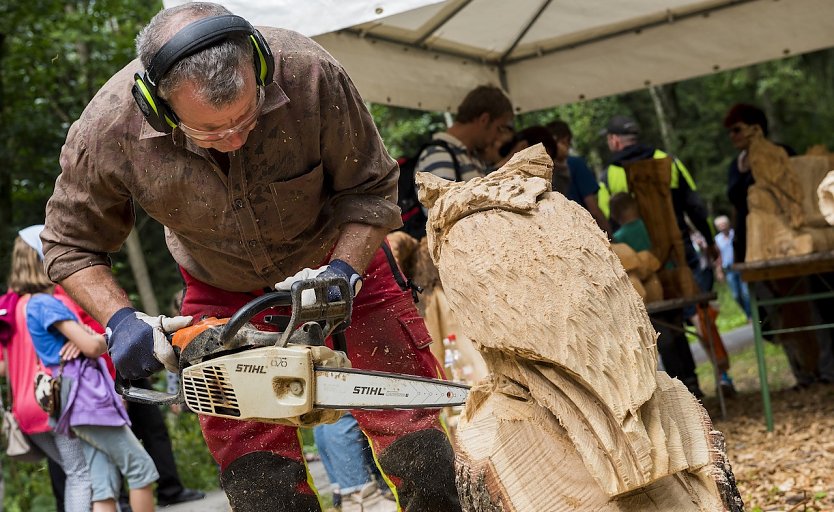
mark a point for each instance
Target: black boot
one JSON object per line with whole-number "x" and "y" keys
{"x": 425, "y": 465}
{"x": 261, "y": 481}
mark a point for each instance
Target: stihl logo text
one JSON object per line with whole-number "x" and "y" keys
{"x": 365, "y": 390}
{"x": 250, "y": 368}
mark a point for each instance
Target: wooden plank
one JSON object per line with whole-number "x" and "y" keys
{"x": 791, "y": 266}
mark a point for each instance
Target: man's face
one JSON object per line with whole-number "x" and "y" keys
{"x": 722, "y": 225}
{"x": 613, "y": 142}
{"x": 563, "y": 145}
{"x": 740, "y": 135}
{"x": 224, "y": 129}
{"x": 495, "y": 130}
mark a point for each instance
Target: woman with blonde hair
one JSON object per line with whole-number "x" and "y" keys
{"x": 90, "y": 407}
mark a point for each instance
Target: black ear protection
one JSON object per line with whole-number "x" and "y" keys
{"x": 194, "y": 37}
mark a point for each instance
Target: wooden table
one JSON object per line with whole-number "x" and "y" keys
{"x": 652, "y": 308}
{"x": 767, "y": 270}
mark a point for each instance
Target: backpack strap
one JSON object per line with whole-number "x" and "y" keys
{"x": 449, "y": 149}
{"x": 404, "y": 283}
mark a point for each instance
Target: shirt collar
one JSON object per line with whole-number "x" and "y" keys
{"x": 275, "y": 98}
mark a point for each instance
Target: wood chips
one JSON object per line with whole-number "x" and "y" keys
{"x": 791, "y": 468}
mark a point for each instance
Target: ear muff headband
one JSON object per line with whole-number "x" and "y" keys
{"x": 194, "y": 37}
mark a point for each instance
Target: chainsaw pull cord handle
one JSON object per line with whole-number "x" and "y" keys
{"x": 252, "y": 308}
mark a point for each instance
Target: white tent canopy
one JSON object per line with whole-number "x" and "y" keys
{"x": 428, "y": 54}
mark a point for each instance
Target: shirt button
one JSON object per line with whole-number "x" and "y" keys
{"x": 238, "y": 203}
{"x": 253, "y": 243}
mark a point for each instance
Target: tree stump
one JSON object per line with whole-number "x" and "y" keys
{"x": 574, "y": 415}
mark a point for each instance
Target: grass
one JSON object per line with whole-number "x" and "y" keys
{"x": 743, "y": 365}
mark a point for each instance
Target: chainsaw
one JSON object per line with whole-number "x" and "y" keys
{"x": 230, "y": 369}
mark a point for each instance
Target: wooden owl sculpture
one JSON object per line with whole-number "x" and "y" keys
{"x": 574, "y": 415}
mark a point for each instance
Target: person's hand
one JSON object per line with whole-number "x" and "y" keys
{"x": 307, "y": 296}
{"x": 69, "y": 351}
{"x": 138, "y": 343}
{"x": 335, "y": 268}
{"x": 719, "y": 275}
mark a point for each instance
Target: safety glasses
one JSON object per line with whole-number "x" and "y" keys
{"x": 213, "y": 136}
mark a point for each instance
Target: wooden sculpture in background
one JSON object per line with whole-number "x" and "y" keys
{"x": 649, "y": 182}
{"x": 641, "y": 268}
{"x": 785, "y": 217}
{"x": 825, "y": 195}
{"x": 574, "y": 415}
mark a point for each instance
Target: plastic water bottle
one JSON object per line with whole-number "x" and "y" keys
{"x": 451, "y": 356}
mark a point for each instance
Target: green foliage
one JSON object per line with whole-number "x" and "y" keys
{"x": 195, "y": 464}
{"x": 405, "y": 130}
{"x": 27, "y": 487}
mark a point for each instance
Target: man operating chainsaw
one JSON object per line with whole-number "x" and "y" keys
{"x": 258, "y": 166}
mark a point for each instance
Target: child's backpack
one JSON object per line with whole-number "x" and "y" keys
{"x": 414, "y": 219}
{"x": 8, "y": 306}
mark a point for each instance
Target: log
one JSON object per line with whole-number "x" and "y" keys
{"x": 574, "y": 414}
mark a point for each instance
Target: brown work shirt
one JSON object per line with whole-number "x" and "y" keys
{"x": 313, "y": 162}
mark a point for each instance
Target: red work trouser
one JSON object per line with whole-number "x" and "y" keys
{"x": 386, "y": 334}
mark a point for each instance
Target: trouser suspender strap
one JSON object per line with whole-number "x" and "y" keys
{"x": 404, "y": 283}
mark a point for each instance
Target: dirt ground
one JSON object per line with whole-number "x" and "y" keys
{"x": 791, "y": 468}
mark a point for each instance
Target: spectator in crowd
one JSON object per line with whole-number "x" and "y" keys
{"x": 742, "y": 122}
{"x": 632, "y": 230}
{"x": 73, "y": 491}
{"x": 623, "y": 138}
{"x": 290, "y": 173}
{"x": 90, "y": 409}
{"x": 724, "y": 241}
{"x": 484, "y": 116}
{"x": 809, "y": 354}
{"x": 147, "y": 423}
{"x": 583, "y": 187}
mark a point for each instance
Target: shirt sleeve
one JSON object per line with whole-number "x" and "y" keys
{"x": 586, "y": 182}
{"x": 89, "y": 215}
{"x": 363, "y": 175}
{"x": 48, "y": 311}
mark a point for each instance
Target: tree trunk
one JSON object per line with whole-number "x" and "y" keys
{"x": 140, "y": 274}
{"x": 667, "y": 133}
{"x": 574, "y": 415}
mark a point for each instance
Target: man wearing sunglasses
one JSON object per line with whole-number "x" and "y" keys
{"x": 257, "y": 154}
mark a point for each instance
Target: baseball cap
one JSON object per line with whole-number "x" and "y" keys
{"x": 32, "y": 237}
{"x": 621, "y": 125}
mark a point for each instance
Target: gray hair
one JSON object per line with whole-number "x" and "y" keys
{"x": 218, "y": 71}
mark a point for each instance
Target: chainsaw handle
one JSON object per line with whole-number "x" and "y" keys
{"x": 145, "y": 396}
{"x": 252, "y": 308}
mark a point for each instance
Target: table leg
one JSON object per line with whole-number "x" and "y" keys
{"x": 713, "y": 360}
{"x": 760, "y": 357}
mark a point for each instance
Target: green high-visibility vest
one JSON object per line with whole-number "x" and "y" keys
{"x": 617, "y": 181}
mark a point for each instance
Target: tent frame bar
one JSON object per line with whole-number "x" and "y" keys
{"x": 505, "y": 60}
